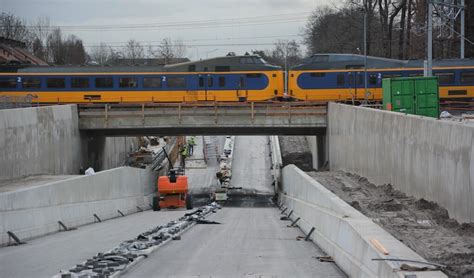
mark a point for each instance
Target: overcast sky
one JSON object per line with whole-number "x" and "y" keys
{"x": 209, "y": 27}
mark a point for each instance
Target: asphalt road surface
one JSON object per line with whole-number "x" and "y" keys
{"x": 248, "y": 242}
{"x": 251, "y": 164}
{"x": 45, "y": 256}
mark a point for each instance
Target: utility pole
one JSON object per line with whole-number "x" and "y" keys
{"x": 463, "y": 8}
{"x": 429, "y": 43}
{"x": 448, "y": 12}
{"x": 366, "y": 93}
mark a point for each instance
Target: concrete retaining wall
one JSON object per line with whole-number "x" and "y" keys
{"x": 46, "y": 140}
{"x": 277, "y": 161}
{"x": 423, "y": 157}
{"x": 40, "y": 140}
{"x": 341, "y": 231}
{"x": 35, "y": 211}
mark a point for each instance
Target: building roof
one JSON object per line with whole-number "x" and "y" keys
{"x": 14, "y": 53}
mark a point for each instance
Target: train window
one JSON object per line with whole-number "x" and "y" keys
{"x": 467, "y": 77}
{"x": 373, "y": 79}
{"x": 127, "y": 82}
{"x": 445, "y": 77}
{"x": 210, "y": 81}
{"x": 254, "y": 75}
{"x": 104, "y": 82}
{"x": 201, "y": 81}
{"x": 80, "y": 82}
{"x": 31, "y": 83}
{"x": 222, "y": 68}
{"x": 221, "y": 81}
{"x": 152, "y": 82}
{"x": 55, "y": 83}
{"x": 176, "y": 82}
{"x": 360, "y": 79}
{"x": 8, "y": 83}
{"x": 192, "y": 68}
{"x": 341, "y": 80}
{"x": 317, "y": 74}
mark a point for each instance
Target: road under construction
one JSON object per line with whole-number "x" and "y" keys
{"x": 278, "y": 220}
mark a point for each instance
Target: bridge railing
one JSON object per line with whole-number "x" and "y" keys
{"x": 215, "y": 109}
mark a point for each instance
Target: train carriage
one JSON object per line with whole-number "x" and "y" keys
{"x": 340, "y": 77}
{"x": 233, "y": 78}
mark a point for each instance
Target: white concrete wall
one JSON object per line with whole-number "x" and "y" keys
{"x": 313, "y": 146}
{"x": 341, "y": 231}
{"x": 277, "y": 160}
{"x": 46, "y": 140}
{"x": 42, "y": 140}
{"x": 35, "y": 211}
{"x": 422, "y": 157}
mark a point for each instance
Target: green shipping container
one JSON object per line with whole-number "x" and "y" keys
{"x": 412, "y": 95}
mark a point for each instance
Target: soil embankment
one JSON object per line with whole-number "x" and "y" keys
{"x": 423, "y": 226}
{"x": 295, "y": 150}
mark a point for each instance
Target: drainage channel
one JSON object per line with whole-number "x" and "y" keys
{"x": 120, "y": 259}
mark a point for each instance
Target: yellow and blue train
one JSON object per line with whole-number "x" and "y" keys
{"x": 231, "y": 78}
{"x": 341, "y": 77}
{"x": 321, "y": 77}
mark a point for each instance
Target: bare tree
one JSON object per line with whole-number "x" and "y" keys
{"x": 168, "y": 49}
{"x": 165, "y": 50}
{"x": 74, "y": 51}
{"x": 179, "y": 48}
{"x": 388, "y": 11}
{"x": 54, "y": 44}
{"x": 12, "y": 27}
{"x": 101, "y": 54}
{"x": 134, "y": 50}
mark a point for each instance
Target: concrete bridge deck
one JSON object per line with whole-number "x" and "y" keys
{"x": 204, "y": 118}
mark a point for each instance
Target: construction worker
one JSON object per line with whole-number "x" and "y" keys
{"x": 191, "y": 143}
{"x": 184, "y": 154}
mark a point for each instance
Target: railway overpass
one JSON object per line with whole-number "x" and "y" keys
{"x": 256, "y": 241}
{"x": 204, "y": 118}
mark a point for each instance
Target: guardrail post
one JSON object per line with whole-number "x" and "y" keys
{"x": 106, "y": 114}
{"x": 253, "y": 112}
{"x": 215, "y": 113}
{"x": 143, "y": 114}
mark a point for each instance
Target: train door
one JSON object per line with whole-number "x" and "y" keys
{"x": 206, "y": 87}
{"x": 242, "y": 89}
{"x": 356, "y": 87}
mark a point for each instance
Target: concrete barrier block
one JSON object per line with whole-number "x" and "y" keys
{"x": 420, "y": 156}
{"x": 340, "y": 230}
{"x": 34, "y": 212}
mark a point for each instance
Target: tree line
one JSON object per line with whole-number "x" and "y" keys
{"x": 395, "y": 29}
{"x": 51, "y": 45}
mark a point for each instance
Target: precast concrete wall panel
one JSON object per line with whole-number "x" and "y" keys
{"x": 420, "y": 156}
{"x": 341, "y": 231}
{"x": 39, "y": 140}
{"x": 36, "y": 211}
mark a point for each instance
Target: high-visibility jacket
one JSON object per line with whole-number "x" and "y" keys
{"x": 184, "y": 150}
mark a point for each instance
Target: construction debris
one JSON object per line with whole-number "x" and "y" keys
{"x": 130, "y": 252}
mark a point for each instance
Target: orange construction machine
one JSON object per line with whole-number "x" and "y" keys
{"x": 172, "y": 190}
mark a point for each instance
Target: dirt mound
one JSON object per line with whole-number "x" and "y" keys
{"x": 295, "y": 150}
{"x": 422, "y": 225}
